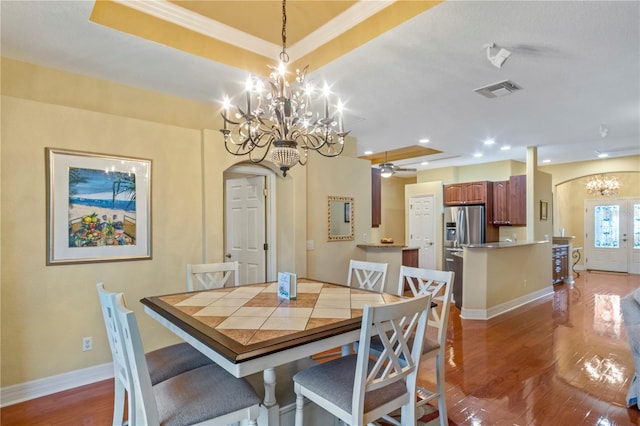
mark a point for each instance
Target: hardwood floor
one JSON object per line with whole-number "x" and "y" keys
{"x": 561, "y": 361}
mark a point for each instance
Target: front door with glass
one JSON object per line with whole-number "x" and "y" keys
{"x": 612, "y": 235}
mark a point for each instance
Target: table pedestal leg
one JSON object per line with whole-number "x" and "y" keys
{"x": 270, "y": 403}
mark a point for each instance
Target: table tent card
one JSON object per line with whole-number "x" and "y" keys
{"x": 287, "y": 285}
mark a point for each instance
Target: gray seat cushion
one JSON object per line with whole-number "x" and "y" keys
{"x": 333, "y": 381}
{"x": 201, "y": 394}
{"x": 172, "y": 360}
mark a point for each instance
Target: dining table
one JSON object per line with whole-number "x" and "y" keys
{"x": 250, "y": 328}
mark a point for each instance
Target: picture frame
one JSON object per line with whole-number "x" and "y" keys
{"x": 544, "y": 210}
{"x": 98, "y": 207}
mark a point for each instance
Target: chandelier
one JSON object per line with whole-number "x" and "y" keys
{"x": 603, "y": 185}
{"x": 279, "y": 118}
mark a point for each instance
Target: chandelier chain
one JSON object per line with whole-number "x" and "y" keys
{"x": 284, "y": 57}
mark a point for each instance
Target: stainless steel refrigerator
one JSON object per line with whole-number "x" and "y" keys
{"x": 463, "y": 225}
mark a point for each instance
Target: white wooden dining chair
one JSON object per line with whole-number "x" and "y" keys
{"x": 359, "y": 390}
{"x": 162, "y": 363}
{"x": 206, "y": 395}
{"x": 438, "y": 284}
{"x": 369, "y": 275}
{"x": 207, "y": 276}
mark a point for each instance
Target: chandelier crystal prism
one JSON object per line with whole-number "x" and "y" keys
{"x": 606, "y": 186}
{"x": 279, "y": 118}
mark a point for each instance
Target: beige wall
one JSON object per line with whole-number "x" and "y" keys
{"x": 495, "y": 171}
{"x": 568, "y": 171}
{"x": 342, "y": 177}
{"x": 46, "y": 310}
{"x": 542, "y": 192}
{"x": 393, "y": 210}
{"x": 494, "y": 277}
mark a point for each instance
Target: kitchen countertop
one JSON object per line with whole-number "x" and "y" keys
{"x": 380, "y": 245}
{"x": 504, "y": 244}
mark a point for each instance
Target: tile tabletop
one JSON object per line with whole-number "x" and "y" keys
{"x": 250, "y": 320}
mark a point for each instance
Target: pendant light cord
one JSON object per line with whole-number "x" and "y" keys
{"x": 284, "y": 57}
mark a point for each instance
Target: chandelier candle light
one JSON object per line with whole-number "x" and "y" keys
{"x": 603, "y": 185}
{"x": 279, "y": 118}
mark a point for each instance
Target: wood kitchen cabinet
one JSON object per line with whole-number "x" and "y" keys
{"x": 376, "y": 198}
{"x": 560, "y": 263}
{"x": 456, "y": 194}
{"x": 410, "y": 257}
{"x": 518, "y": 200}
{"x": 510, "y": 201}
{"x": 501, "y": 203}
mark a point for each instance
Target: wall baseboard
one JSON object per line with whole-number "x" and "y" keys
{"x": 494, "y": 311}
{"x": 14, "y": 394}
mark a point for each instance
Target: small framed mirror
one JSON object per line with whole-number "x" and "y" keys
{"x": 340, "y": 218}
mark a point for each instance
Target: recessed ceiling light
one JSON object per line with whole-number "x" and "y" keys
{"x": 477, "y": 154}
{"x": 489, "y": 142}
{"x": 603, "y": 155}
{"x": 546, "y": 161}
{"x": 368, "y": 152}
{"x": 425, "y": 140}
{"x": 505, "y": 147}
{"x": 424, "y": 163}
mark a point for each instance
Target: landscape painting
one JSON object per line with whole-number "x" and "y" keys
{"x": 102, "y": 208}
{"x": 99, "y": 207}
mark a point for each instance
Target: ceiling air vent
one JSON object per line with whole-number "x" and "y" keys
{"x": 495, "y": 90}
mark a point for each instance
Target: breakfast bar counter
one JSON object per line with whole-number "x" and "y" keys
{"x": 394, "y": 255}
{"x": 501, "y": 276}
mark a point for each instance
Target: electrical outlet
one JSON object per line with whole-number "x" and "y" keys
{"x": 87, "y": 344}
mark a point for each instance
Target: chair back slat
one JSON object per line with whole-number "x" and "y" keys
{"x": 401, "y": 327}
{"x": 439, "y": 284}
{"x": 207, "y": 276}
{"x": 370, "y": 275}
{"x": 120, "y": 363}
{"x": 146, "y": 411}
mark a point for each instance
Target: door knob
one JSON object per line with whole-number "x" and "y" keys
{"x": 228, "y": 256}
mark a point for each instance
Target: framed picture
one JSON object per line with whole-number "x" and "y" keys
{"x": 98, "y": 207}
{"x": 544, "y": 210}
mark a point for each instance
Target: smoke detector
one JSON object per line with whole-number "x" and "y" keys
{"x": 495, "y": 90}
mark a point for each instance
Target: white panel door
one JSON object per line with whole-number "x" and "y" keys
{"x": 422, "y": 225}
{"x": 245, "y": 227}
{"x": 612, "y": 235}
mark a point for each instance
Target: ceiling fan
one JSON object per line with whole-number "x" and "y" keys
{"x": 387, "y": 169}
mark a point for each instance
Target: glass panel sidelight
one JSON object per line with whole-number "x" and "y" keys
{"x": 607, "y": 226}
{"x": 636, "y": 226}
